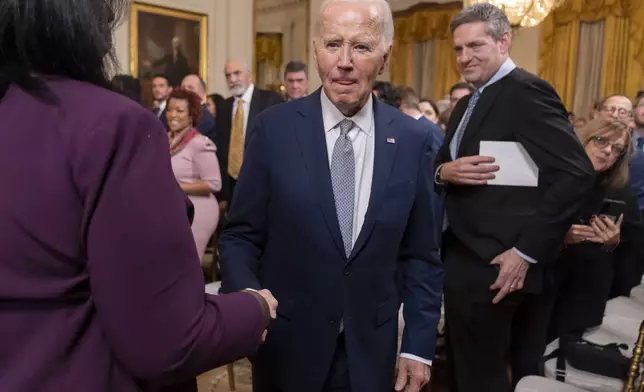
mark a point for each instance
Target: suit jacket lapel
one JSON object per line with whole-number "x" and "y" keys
{"x": 455, "y": 118}
{"x": 312, "y": 140}
{"x": 385, "y": 147}
{"x": 253, "y": 111}
{"x": 481, "y": 109}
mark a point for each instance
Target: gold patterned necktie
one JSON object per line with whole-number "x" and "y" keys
{"x": 236, "y": 151}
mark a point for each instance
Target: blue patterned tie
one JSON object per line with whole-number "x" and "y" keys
{"x": 460, "y": 131}
{"x": 343, "y": 180}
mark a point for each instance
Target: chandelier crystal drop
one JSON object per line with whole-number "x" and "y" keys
{"x": 524, "y": 13}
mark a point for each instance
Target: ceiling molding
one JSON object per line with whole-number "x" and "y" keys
{"x": 268, "y": 6}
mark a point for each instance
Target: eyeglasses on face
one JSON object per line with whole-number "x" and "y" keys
{"x": 602, "y": 142}
{"x": 621, "y": 112}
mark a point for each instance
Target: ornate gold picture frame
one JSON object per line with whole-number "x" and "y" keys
{"x": 167, "y": 41}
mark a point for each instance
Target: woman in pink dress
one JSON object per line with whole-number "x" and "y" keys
{"x": 194, "y": 163}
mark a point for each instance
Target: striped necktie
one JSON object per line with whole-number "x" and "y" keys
{"x": 460, "y": 131}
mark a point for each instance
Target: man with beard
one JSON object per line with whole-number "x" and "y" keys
{"x": 236, "y": 119}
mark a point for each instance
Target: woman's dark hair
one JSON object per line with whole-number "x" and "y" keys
{"x": 432, "y": 104}
{"x": 66, "y": 38}
{"x": 195, "y": 109}
{"x": 128, "y": 86}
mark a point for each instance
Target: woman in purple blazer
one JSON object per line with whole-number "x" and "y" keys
{"x": 100, "y": 284}
{"x": 194, "y": 163}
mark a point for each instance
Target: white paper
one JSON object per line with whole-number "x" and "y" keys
{"x": 516, "y": 167}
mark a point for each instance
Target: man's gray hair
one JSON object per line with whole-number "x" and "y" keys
{"x": 496, "y": 22}
{"x": 383, "y": 18}
{"x": 244, "y": 62}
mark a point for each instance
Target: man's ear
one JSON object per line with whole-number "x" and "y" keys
{"x": 386, "y": 58}
{"x": 506, "y": 41}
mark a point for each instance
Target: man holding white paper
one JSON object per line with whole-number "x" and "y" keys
{"x": 514, "y": 175}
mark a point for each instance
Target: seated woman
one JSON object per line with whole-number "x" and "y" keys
{"x": 583, "y": 273}
{"x": 194, "y": 163}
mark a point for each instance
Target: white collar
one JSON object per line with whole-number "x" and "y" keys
{"x": 248, "y": 94}
{"x": 332, "y": 116}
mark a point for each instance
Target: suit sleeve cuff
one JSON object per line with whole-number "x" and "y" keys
{"x": 437, "y": 178}
{"x": 524, "y": 256}
{"x": 416, "y": 358}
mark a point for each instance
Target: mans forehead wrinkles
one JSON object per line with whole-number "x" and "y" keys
{"x": 357, "y": 35}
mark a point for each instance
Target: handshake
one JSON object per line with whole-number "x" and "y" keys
{"x": 268, "y": 303}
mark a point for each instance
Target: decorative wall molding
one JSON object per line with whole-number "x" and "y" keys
{"x": 268, "y": 6}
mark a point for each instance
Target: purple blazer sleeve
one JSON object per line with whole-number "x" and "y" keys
{"x": 145, "y": 274}
{"x": 207, "y": 163}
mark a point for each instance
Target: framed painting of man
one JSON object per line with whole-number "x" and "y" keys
{"x": 167, "y": 41}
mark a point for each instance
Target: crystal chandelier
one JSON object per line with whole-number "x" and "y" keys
{"x": 524, "y": 13}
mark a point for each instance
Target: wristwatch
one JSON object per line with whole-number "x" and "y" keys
{"x": 437, "y": 175}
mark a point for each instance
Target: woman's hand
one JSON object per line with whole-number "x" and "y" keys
{"x": 199, "y": 188}
{"x": 579, "y": 233}
{"x": 606, "y": 232}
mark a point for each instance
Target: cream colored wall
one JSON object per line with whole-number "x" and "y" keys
{"x": 525, "y": 48}
{"x": 314, "y": 78}
{"x": 230, "y": 35}
{"x": 291, "y": 23}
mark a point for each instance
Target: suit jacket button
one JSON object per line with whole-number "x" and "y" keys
{"x": 347, "y": 273}
{"x": 331, "y": 321}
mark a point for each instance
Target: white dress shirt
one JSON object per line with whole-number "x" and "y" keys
{"x": 363, "y": 141}
{"x": 246, "y": 97}
{"x": 162, "y": 106}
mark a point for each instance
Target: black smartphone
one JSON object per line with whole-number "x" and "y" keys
{"x": 613, "y": 209}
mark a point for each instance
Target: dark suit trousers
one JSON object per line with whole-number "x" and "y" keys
{"x": 337, "y": 380}
{"x": 486, "y": 340}
{"x": 229, "y": 188}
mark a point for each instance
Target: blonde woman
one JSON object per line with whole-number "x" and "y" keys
{"x": 585, "y": 268}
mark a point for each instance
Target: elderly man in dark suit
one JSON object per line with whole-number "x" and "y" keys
{"x": 501, "y": 239}
{"x": 333, "y": 212}
{"x": 235, "y": 121}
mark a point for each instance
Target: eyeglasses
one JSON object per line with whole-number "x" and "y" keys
{"x": 621, "y": 112}
{"x": 602, "y": 142}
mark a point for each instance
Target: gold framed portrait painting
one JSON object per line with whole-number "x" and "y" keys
{"x": 167, "y": 41}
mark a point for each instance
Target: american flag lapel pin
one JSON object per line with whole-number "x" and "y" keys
{"x": 391, "y": 140}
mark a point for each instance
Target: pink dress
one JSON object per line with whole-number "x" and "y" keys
{"x": 197, "y": 161}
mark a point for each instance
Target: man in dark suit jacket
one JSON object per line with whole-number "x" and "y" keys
{"x": 197, "y": 85}
{"x": 161, "y": 90}
{"x": 239, "y": 79}
{"x": 333, "y": 214}
{"x": 501, "y": 238}
{"x": 410, "y": 105}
